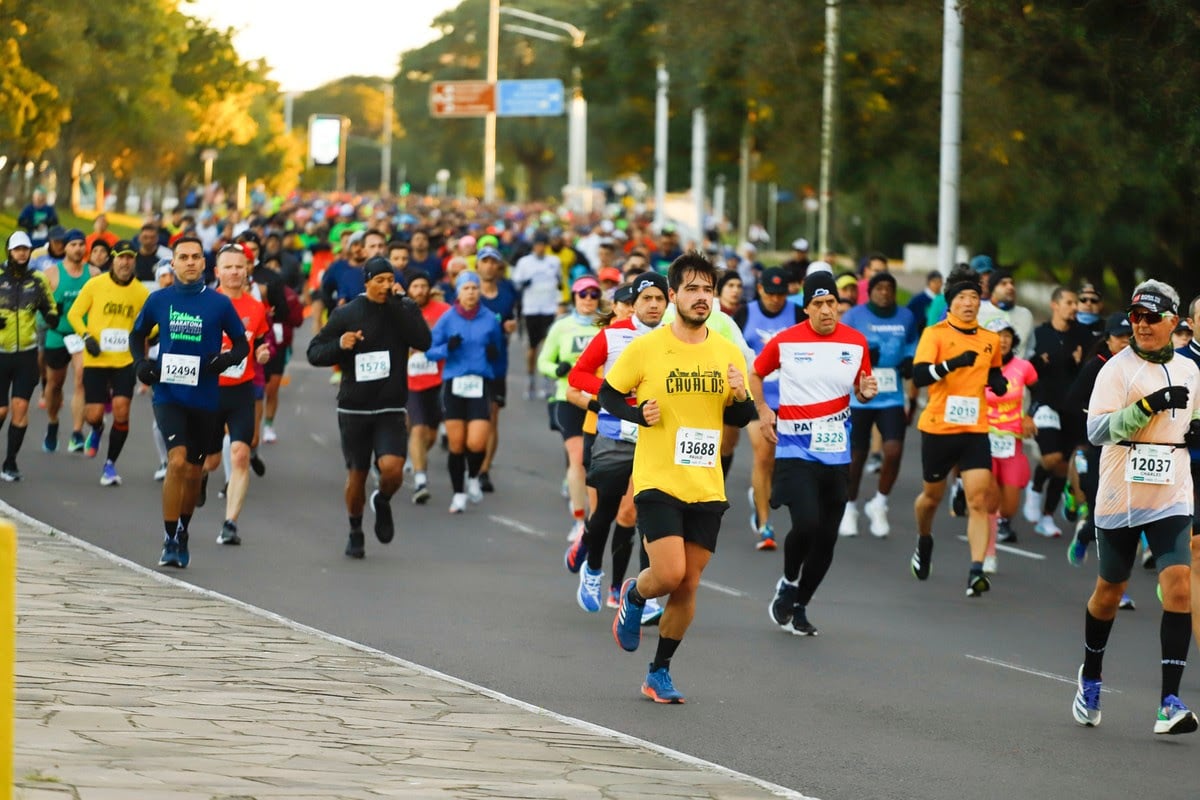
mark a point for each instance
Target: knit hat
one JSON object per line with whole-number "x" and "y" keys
{"x": 817, "y": 285}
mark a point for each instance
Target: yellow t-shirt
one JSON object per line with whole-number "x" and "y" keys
{"x": 681, "y": 455}
{"x": 110, "y": 310}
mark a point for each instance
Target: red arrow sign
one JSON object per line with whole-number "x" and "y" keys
{"x": 461, "y": 99}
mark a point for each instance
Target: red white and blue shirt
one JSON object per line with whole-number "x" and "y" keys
{"x": 817, "y": 375}
{"x": 596, "y": 360}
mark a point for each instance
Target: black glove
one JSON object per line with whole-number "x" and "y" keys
{"x": 3, "y": 323}
{"x": 492, "y": 352}
{"x": 997, "y": 382}
{"x": 594, "y": 406}
{"x": 147, "y": 372}
{"x": 1192, "y": 437}
{"x": 906, "y": 369}
{"x": 964, "y": 359}
{"x": 873, "y": 354}
{"x": 217, "y": 364}
{"x": 562, "y": 369}
{"x": 454, "y": 342}
{"x": 91, "y": 345}
{"x": 1165, "y": 398}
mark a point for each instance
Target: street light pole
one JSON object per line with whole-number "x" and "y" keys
{"x": 489, "y": 125}
{"x": 660, "y": 147}
{"x": 385, "y": 147}
{"x": 827, "y": 112}
{"x": 952, "y": 54}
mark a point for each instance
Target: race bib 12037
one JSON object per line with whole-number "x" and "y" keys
{"x": 1150, "y": 463}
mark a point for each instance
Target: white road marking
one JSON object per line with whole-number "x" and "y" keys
{"x": 1060, "y": 678}
{"x": 723, "y": 589}
{"x": 676, "y": 755}
{"x": 521, "y": 527}
{"x": 318, "y": 438}
{"x": 1016, "y": 551}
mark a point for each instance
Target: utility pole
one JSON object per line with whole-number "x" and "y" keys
{"x": 660, "y": 146}
{"x": 489, "y": 125}
{"x": 827, "y": 120}
{"x": 385, "y": 147}
{"x": 952, "y": 55}
{"x": 699, "y": 169}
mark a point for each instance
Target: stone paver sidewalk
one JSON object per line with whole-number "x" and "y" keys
{"x": 129, "y": 687}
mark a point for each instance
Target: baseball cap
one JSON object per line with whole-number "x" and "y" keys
{"x": 57, "y": 233}
{"x": 1118, "y": 325}
{"x": 586, "y": 282}
{"x": 1000, "y": 323}
{"x": 846, "y": 280}
{"x": 624, "y": 294}
{"x": 818, "y": 266}
{"x": 489, "y": 252}
{"x": 74, "y": 235}
{"x": 1183, "y": 326}
{"x": 800, "y": 244}
{"x": 357, "y": 237}
{"x": 774, "y": 280}
{"x": 1087, "y": 287}
{"x": 982, "y": 263}
{"x": 1153, "y": 301}
{"x": 19, "y": 239}
{"x": 346, "y": 210}
{"x": 610, "y": 274}
{"x": 124, "y": 247}
{"x": 163, "y": 268}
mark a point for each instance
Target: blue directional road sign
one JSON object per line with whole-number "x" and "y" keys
{"x": 535, "y": 98}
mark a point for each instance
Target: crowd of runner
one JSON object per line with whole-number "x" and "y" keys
{"x": 651, "y": 361}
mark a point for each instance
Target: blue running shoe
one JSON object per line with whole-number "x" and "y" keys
{"x": 182, "y": 556}
{"x": 627, "y": 624}
{"x": 50, "y": 443}
{"x": 1086, "y": 708}
{"x": 1174, "y": 717}
{"x": 92, "y": 446}
{"x": 109, "y": 476}
{"x": 77, "y": 443}
{"x": 766, "y": 538}
{"x": 659, "y": 687}
{"x": 588, "y": 595}
{"x": 576, "y": 555}
{"x": 1077, "y": 551}
{"x": 168, "y": 557}
{"x": 1128, "y": 604}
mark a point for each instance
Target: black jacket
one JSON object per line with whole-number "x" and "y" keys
{"x": 392, "y": 327}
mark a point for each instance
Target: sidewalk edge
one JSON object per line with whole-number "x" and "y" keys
{"x": 7, "y": 509}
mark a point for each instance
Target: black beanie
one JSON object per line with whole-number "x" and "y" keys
{"x": 818, "y": 284}
{"x": 377, "y": 265}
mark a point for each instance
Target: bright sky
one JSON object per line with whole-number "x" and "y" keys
{"x": 310, "y": 44}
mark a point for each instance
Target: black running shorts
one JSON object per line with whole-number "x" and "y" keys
{"x": 237, "y": 412}
{"x": 367, "y": 437}
{"x": 425, "y": 407}
{"x": 1170, "y": 541}
{"x": 537, "y": 326}
{"x": 659, "y": 516}
{"x": 465, "y": 409}
{"x": 19, "y": 374}
{"x": 56, "y": 357}
{"x": 942, "y": 452}
{"x": 570, "y": 419}
{"x": 101, "y": 383}
{"x": 891, "y": 422}
{"x": 200, "y": 431}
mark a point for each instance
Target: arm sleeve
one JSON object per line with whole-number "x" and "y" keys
{"x": 741, "y": 414}
{"x": 613, "y": 401}
{"x": 1108, "y": 421}
{"x": 547, "y": 361}
{"x": 583, "y": 375}
{"x": 325, "y": 348}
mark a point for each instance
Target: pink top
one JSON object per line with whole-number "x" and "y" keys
{"x": 1004, "y": 413}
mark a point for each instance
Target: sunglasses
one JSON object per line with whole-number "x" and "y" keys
{"x": 1089, "y": 299}
{"x": 589, "y": 294}
{"x": 1149, "y": 317}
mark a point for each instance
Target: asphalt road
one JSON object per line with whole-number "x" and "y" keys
{"x": 910, "y": 691}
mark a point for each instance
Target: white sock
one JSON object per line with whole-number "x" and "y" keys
{"x": 879, "y": 498}
{"x": 421, "y": 478}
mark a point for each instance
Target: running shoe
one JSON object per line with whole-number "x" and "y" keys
{"x": 1086, "y": 708}
{"x": 958, "y": 500}
{"x": 1127, "y": 601}
{"x": 874, "y": 463}
{"x": 458, "y": 503}
{"x": 474, "y": 490}
{"x": 576, "y": 531}
{"x": 922, "y": 558}
{"x": 160, "y": 474}
{"x": 800, "y": 625}
{"x": 50, "y": 443}
{"x": 849, "y": 526}
{"x": 385, "y": 526}
{"x": 202, "y": 497}
{"x": 1047, "y": 528}
{"x": 652, "y": 612}
{"x": 575, "y": 556}
{"x": 421, "y": 494}
{"x": 627, "y": 622}
{"x": 659, "y": 687}
{"x": 168, "y": 558}
{"x": 10, "y": 473}
{"x": 783, "y": 603}
{"x": 182, "y": 556}
{"x": 109, "y": 476}
{"x": 223, "y": 491}
{"x": 977, "y": 584}
{"x": 485, "y": 483}
{"x": 588, "y": 596}
{"x": 268, "y": 434}
{"x": 92, "y": 445}
{"x": 229, "y": 533}
{"x": 77, "y": 442}
{"x": 766, "y": 538}
{"x": 1148, "y": 559}
{"x": 990, "y": 565}
{"x": 614, "y": 597}
{"x": 1004, "y": 531}
{"x": 876, "y": 510}
{"x": 1174, "y": 717}
{"x": 1070, "y": 507}
{"x": 754, "y": 526}
{"x": 257, "y": 464}
{"x": 335, "y": 378}
{"x": 1033, "y": 504}
{"x": 354, "y": 544}
{"x": 1077, "y": 550}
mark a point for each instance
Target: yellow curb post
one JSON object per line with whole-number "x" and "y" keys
{"x": 8, "y": 640}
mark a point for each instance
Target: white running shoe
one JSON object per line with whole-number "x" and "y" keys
{"x": 876, "y": 509}
{"x": 1047, "y": 528}
{"x": 849, "y": 526}
{"x": 576, "y": 531}
{"x": 1033, "y": 504}
{"x": 268, "y": 434}
{"x": 160, "y": 473}
{"x": 989, "y": 565}
{"x": 458, "y": 503}
{"x": 474, "y": 490}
